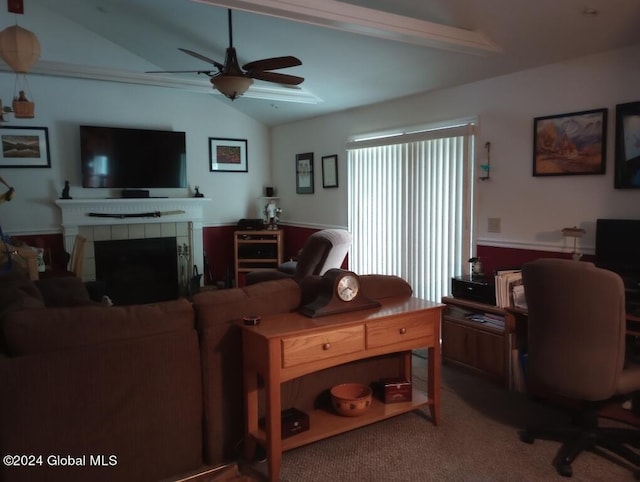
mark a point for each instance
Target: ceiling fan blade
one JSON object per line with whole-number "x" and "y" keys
{"x": 208, "y": 72}
{"x": 273, "y": 63}
{"x": 202, "y": 57}
{"x": 277, "y": 78}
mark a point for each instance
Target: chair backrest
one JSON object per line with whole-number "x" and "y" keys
{"x": 76, "y": 261}
{"x": 576, "y": 327}
{"x": 322, "y": 251}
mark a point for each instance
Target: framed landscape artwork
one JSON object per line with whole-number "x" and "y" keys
{"x": 569, "y": 144}
{"x": 24, "y": 147}
{"x": 304, "y": 173}
{"x": 227, "y": 155}
{"x": 627, "y": 146}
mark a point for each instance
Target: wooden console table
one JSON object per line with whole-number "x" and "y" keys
{"x": 284, "y": 347}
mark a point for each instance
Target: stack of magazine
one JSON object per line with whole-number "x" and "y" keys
{"x": 509, "y": 289}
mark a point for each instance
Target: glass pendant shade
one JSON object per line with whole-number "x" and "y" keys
{"x": 232, "y": 86}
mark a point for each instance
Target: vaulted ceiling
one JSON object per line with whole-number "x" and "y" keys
{"x": 354, "y": 52}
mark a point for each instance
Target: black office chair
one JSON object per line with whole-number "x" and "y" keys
{"x": 576, "y": 350}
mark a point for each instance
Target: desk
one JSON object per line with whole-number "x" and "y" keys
{"x": 283, "y": 347}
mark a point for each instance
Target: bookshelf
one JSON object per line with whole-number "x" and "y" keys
{"x": 257, "y": 251}
{"x": 478, "y": 337}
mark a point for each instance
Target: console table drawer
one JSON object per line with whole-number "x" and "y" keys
{"x": 389, "y": 332}
{"x": 319, "y": 346}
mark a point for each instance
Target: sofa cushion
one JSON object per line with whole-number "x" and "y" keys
{"x": 49, "y": 329}
{"x": 138, "y": 400}
{"x": 270, "y": 297}
{"x": 65, "y": 291}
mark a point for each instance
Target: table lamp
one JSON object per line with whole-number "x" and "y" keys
{"x": 574, "y": 233}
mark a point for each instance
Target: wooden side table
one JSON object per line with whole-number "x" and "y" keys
{"x": 283, "y": 347}
{"x": 257, "y": 251}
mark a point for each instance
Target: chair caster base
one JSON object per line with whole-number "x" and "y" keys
{"x": 564, "y": 470}
{"x": 527, "y": 437}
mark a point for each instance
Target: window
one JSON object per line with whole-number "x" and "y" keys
{"x": 410, "y": 206}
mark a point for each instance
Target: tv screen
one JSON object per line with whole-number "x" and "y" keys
{"x": 116, "y": 157}
{"x": 618, "y": 245}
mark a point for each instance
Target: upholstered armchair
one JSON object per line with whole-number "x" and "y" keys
{"x": 322, "y": 251}
{"x": 576, "y": 353}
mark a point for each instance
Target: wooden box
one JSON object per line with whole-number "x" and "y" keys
{"x": 293, "y": 421}
{"x": 393, "y": 390}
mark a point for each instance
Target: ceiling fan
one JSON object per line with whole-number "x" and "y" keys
{"x": 233, "y": 81}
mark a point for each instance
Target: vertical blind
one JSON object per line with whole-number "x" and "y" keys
{"x": 410, "y": 201}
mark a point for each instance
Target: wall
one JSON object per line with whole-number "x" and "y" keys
{"x": 532, "y": 210}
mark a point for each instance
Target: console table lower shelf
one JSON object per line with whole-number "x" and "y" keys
{"x": 284, "y": 347}
{"x": 324, "y": 423}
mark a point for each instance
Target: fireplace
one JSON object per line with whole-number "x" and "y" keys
{"x": 136, "y": 271}
{"x": 131, "y": 219}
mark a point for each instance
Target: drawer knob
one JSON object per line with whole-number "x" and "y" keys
{"x": 326, "y": 346}
{"x": 403, "y": 331}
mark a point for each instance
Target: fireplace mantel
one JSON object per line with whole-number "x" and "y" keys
{"x": 119, "y": 211}
{"x": 76, "y": 212}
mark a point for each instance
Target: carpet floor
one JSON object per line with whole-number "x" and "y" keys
{"x": 476, "y": 441}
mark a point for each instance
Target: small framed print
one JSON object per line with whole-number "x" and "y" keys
{"x": 24, "y": 147}
{"x": 304, "y": 173}
{"x": 227, "y": 155}
{"x": 330, "y": 171}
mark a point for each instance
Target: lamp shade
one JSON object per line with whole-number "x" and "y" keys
{"x": 573, "y": 232}
{"x": 232, "y": 86}
{"x": 19, "y": 48}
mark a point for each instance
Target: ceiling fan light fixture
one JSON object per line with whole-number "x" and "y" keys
{"x": 232, "y": 86}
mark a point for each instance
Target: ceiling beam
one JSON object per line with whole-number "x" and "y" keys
{"x": 367, "y": 21}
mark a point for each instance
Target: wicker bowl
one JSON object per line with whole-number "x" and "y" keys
{"x": 351, "y": 399}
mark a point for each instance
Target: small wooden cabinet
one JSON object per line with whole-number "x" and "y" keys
{"x": 482, "y": 347}
{"x": 257, "y": 250}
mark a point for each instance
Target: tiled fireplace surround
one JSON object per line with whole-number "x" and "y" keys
{"x": 180, "y": 218}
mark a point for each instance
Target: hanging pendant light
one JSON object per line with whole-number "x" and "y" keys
{"x": 19, "y": 48}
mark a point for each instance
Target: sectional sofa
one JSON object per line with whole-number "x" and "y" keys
{"x": 142, "y": 392}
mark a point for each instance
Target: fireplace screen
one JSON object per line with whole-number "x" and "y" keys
{"x": 138, "y": 270}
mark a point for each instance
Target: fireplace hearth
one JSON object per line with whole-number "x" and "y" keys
{"x": 136, "y": 271}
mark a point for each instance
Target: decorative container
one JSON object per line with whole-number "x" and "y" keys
{"x": 351, "y": 399}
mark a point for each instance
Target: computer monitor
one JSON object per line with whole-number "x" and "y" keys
{"x": 618, "y": 246}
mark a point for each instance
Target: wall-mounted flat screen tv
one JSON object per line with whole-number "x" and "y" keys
{"x": 123, "y": 158}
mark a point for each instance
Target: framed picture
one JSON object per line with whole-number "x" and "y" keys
{"x": 227, "y": 155}
{"x": 569, "y": 144}
{"x": 304, "y": 173}
{"x": 627, "y": 147}
{"x": 330, "y": 171}
{"x": 24, "y": 147}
